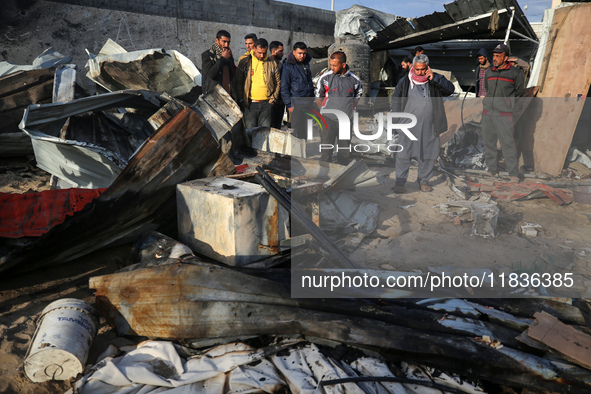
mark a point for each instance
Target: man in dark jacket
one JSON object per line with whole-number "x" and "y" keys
{"x": 296, "y": 77}
{"x": 503, "y": 84}
{"x": 420, "y": 93}
{"x": 218, "y": 64}
{"x": 483, "y": 65}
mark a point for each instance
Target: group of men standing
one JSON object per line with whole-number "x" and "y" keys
{"x": 500, "y": 84}
{"x": 261, "y": 83}
{"x": 264, "y": 85}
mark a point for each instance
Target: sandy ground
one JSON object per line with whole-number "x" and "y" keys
{"x": 411, "y": 239}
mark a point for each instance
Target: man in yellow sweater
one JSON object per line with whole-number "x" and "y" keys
{"x": 257, "y": 85}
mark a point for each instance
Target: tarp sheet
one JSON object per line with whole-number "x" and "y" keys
{"x": 156, "y": 366}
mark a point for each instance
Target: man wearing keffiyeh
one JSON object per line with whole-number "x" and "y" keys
{"x": 218, "y": 64}
{"x": 420, "y": 93}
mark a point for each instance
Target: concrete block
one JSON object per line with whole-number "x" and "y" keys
{"x": 258, "y": 20}
{"x": 530, "y": 232}
{"x": 530, "y": 229}
{"x": 197, "y": 6}
{"x": 104, "y": 3}
{"x": 130, "y": 6}
{"x": 230, "y": 6}
{"x": 278, "y": 141}
{"x": 153, "y": 9}
{"x": 242, "y": 10}
{"x": 213, "y": 16}
{"x": 229, "y": 220}
{"x": 191, "y": 14}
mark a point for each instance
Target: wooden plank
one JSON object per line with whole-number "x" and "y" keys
{"x": 33, "y": 95}
{"x": 567, "y": 341}
{"x": 551, "y": 122}
{"x": 528, "y": 307}
{"x": 23, "y": 80}
{"x": 167, "y": 112}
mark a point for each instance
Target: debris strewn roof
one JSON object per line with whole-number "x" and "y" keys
{"x": 461, "y": 19}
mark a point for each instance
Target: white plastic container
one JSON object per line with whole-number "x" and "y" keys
{"x": 60, "y": 346}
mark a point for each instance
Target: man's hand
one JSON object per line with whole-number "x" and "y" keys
{"x": 290, "y": 109}
{"x": 429, "y": 74}
{"x": 226, "y": 53}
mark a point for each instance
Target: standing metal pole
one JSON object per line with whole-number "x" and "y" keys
{"x": 298, "y": 213}
{"x": 510, "y": 25}
{"x": 332, "y": 5}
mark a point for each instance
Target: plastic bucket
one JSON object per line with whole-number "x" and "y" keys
{"x": 61, "y": 342}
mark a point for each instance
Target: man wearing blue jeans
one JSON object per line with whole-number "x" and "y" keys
{"x": 257, "y": 85}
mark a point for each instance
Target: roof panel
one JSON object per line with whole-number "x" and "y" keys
{"x": 462, "y": 19}
{"x": 454, "y": 11}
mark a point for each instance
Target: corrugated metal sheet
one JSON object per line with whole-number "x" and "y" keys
{"x": 462, "y": 19}
{"x": 33, "y": 214}
{"x": 89, "y": 150}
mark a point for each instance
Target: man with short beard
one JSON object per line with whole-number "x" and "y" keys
{"x": 249, "y": 41}
{"x": 483, "y": 65}
{"x": 338, "y": 89}
{"x": 217, "y": 64}
{"x": 503, "y": 83}
{"x": 256, "y": 85}
{"x": 296, "y": 79}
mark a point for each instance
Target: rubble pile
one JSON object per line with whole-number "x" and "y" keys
{"x": 226, "y": 222}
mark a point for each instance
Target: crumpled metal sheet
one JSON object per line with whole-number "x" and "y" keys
{"x": 159, "y": 70}
{"x": 88, "y": 150}
{"x": 361, "y": 22}
{"x": 141, "y": 199}
{"x": 49, "y": 58}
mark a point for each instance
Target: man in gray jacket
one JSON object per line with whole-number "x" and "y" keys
{"x": 420, "y": 93}
{"x": 338, "y": 89}
{"x": 503, "y": 83}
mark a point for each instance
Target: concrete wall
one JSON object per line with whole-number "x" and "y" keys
{"x": 27, "y": 27}
{"x": 262, "y": 13}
